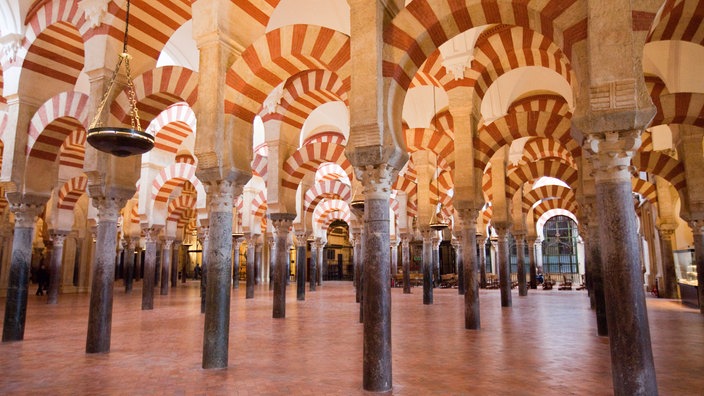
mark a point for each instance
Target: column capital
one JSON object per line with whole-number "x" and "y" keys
{"x": 25, "y": 208}
{"x": 666, "y": 230}
{"x": 58, "y": 237}
{"x": 455, "y": 242}
{"x": 302, "y": 237}
{"x": 376, "y": 180}
{"x": 612, "y": 153}
{"x": 150, "y": 233}
{"x": 502, "y": 229}
{"x": 109, "y": 207}
{"x": 221, "y": 195}
{"x": 167, "y": 243}
{"x": 697, "y": 226}
{"x": 203, "y": 233}
{"x": 427, "y": 234}
{"x": 406, "y": 239}
{"x": 281, "y": 222}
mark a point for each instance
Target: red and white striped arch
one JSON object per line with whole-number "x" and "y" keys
{"x": 505, "y": 48}
{"x": 539, "y": 148}
{"x": 332, "y": 171}
{"x": 47, "y": 133}
{"x": 308, "y": 158}
{"x": 550, "y": 191}
{"x": 646, "y": 141}
{"x": 332, "y": 216}
{"x": 173, "y": 176}
{"x": 3, "y": 122}
{"x": 552, "y": 204}
{"x": 172, "y": 126}
{"x": 656, "y": 87}
{"x": 679, "y": 20}
{"x": 662, "y": 165}
{"x": 258, "y": 205}
{"x": 278, "y": 55}
{"x": 645, "y": 188}
{"x": 326, "y": 189}
{"x": 327, "y": 206}
{"x": 73, "y": 150}
{"x": 181, "y": 209}
{"x": 535, "y": 170}
{"x": 71, "y": 191}
{"x": 259, "y": 11}
{"x": 260, "y": 160}
{"x": 156, "y": 90}
{"x": 305, "y": 92}
{"x": 505, "y": 130}
{"x": 334, "y": 137}
{"x": 685, "y": 108}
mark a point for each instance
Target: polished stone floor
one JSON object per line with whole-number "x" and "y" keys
{"x": 544, "y": 345}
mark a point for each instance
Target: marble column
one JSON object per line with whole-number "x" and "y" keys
{"x": 138, "y": 264}
{"x": 436, "y": 259}
{"x": 185, "y": 261}
{"x": 130, "y": 243}
{"x": 357, "y": 247}
{"x": 25, "y": 212}
{"x": 596, "y": 268}
{"x": 376, "y": 293}
{"x": 281, "y": 223}
{"x": 166, "y": 255}
{"x": 204, "y": 237}
{"x": 394, "y": 258}
{"x": 258, "y": 246}
{"x": 406, "y": 262}
{"x": 249, "y": 283}
{"x": 313, "y": 265}
{"x": 698, "y": 234}
{"x": 481, "y": 241}
{"x": 632, "y": 364}
{"x": 503, "y": 263}
{"x": 236, "y": 265}
{"x": 101, "y": 294}
{"x": 521, "y": 265}
{"x": 530, "y": 240}
{"x": 216, "y": 333}
{"x": 150, "y": 235}
{"x": 427, "y": 262}
{"x": 175, "y": 257}
{"x": 467, "y": 237}
{"x": 669, "y": 278}
{"x": 456, "y": 246}
{"x": 272, "y": 260}
{"x": 322, "y": 262}
{"x": 55, "y": 269}
{"x": 301, "y": 242}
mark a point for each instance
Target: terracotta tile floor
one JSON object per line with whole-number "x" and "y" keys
{"x": 543, "y": 345}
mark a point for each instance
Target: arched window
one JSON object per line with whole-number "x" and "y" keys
{"x": 560, "y": 246}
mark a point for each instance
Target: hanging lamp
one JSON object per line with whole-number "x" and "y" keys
{"x": 437, "y": 222}
{"x": 120, "y": 141}
{"x": 357, "y": 202}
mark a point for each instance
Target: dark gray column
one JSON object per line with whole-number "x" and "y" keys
{"x": 322, "y": 262}
{"x": 57, "y": 256}
{"x": 521, "y": 265}
{"x": 698, "y": 233}
{"x": 530, "y": 240}
{"x": 272, "y": 260}
{"x": 236, "y": 265}
{"x": 166, "y": 255}
{"x": 25, "y": 211}
{"x": 313, "y": 265}
{"x": 175, "y": 262}
{"x": 101, "y": 294}
{"x": 301, "y": 242}
{"x": 406, "y": 262}
{"x": 185, "y": 261}
{"x": 394, "y": 257}
{"x": 130, "y": 244}
{"x": 632, "y": 365}
{"x": 216, "y": 334}
{"x": 427, "y": 262}
{"x": 376, "y": 294}
{"x": 251, "y": 241}
{"x": 258, "y": 246}
{"x": 481, "y": 241}
{"x": 150, "y": 235}
{"x": 596, "y": 268}
{"x": 467, "y": 236}
{"x": 503, "y": 264}
{"x": 436, "y": 259}
{"x": 138, "y": 264}
{"x": 669, "y": 276}
{"x": 204, "y": 236}
{"x": 357, "y": 246}
{"x": 281, "y": 222}
{"x": 456, "y": 246}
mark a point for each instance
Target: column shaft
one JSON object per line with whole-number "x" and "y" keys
{"x": 427, "y": 266}
{"x": 531, "y": 260}
{"x": 301, "y": 266}
{"x": 17, "y": 290}
{"x": 406, "y": 262}
{"x": 281, "y": 223}
{"x": 669, "y": 279}
{"x": 698, "y": 232}
{"x": 55, "y": 270}
{"x": 481, "y": 241}
{"x": 460, "y": 267}
{"x": 313, "y": 265}
{"x": 129, "y": 264}
{"x": 166, "y": 267}
{"x": 504, "y": 266}
{"x": 521, "y": 266}
{"x": 149, "y": 264}
{"x": 250, "y": 267}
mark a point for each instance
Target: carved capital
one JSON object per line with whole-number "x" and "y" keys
{"x": 466, "y": 219}
{"x": 108, "y": 207}
{"x": 302, "y": 237}
{"x": 427, "y": 234}
{"x": 167, "y": 243}
{"x": 377, "y": 180}
{"x": 612, "y": 153}
{"x": 221, "y": 195}
{"x": 58, "y": 238}
{"x": 94, "y": 11}
{"x": 697, "y": 226}
{"x": 150, "y": 234}
{"x": 406, "y": 240}
{"x": 11, "y": 44}
{"x": 203, "y": 234}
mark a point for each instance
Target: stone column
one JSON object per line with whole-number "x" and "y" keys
{"x": 539, "y": 254}
{"x": 138, "y": 260}
{"x": 301, "y": 242}
{"x": 521, "y": 265}
{"x": 204, "y": 236}
{"x": 282, "y": 223}
{"x": 460, "y": 267}
{"x": 258, "y": 246}
{"x": 467, "y": 237}
{"x": 481, "y": 241}
{"x": 272, "y": 260}
{"x": 427, "y": 262}
{"x": 175, "y": 257}
{"x": 236, "y": 266}
{"x": 118, "y": 255}
{"x": 101, "y": 294}
{"x": 436, "y": 259}
{"x": 185, "y": 260}
{"x": 503, "y": 263}
{"x": 596, "y": 269}
{"x": 698, "y": 233}
{"x": 406, "y": 262}
{"x": 627, "y": 318}
{"x": 376, "y": 297}
{"x": 394, "y": 257}
{"x": 669, "y": 279}
{"x": 55, "y": 270}
{"x": 150, "y": 235}
{"x": 25, "y": 211}
{"x": 313, "y": 265}
{"x": 166, "y": 266}
{"x": 530, "y": 240}
{"x": 322, "y": 262}
{"x": 251, "y": 238}
{"x": 357, "y": 246}
{"x": 130, "y": 243}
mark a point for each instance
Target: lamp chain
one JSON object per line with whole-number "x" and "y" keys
{"x": 97, "y": 119}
